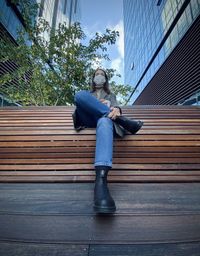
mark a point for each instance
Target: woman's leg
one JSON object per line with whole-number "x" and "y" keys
{"x": 93, "y": 114}
{"x": 89, "y": 108}
{"x": 103, "y": 202}
{"x": 104, "y": 142}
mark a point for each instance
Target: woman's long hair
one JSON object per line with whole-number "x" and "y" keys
{"x": 106, "y": 84}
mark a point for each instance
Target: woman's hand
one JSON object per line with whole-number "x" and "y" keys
{"x": 106, "y": 102}
{"x": 114, "y": 113}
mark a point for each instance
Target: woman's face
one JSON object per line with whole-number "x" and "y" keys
{"x": 99, "y": 72}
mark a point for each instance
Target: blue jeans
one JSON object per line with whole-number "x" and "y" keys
{"x": 93, "y": 114}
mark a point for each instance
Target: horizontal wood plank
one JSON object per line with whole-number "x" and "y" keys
{"x": 77, "y": 198}
{"x": 147, "y": 229}
{"x": 176, "y": 249}
{"x": 33, "y": 249}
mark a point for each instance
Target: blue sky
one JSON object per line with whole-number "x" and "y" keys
{"x": 96, "y": 16}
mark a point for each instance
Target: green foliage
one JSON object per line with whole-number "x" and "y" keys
{"x": 52, "y": 65}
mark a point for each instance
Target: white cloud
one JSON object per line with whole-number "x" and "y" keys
{"x": 118, "y": 62}
{"x": 90, "y": 31}
{"x": 120, "y": 40}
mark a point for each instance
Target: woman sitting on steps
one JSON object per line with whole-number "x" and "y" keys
{"x": 99, "y": 109}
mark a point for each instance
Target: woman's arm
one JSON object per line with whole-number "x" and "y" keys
{"x": 115, "y": 109}
{"x": 114, "y": 102}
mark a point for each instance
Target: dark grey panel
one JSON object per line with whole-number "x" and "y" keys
{"x": 179, "y": 76}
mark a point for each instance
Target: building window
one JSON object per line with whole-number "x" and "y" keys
{"x": 65, "y": 7}
{"x": 159, "y": 2}
{"x": 132, "y": 65}
{"x": 75, "y": 6}
{"x": 41, "y": 8}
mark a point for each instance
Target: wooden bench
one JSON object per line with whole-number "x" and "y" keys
{"x": 39, "y": 144}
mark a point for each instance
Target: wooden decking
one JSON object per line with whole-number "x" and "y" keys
{"x": 57, "y": 219}
{"x": 46, "y": 189}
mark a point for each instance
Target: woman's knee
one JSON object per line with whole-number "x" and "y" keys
{"x": 105, "y": 122}
{"x": 80, "y": 96}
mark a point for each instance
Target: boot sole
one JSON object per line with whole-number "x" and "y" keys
{"x": 104, "y": 210}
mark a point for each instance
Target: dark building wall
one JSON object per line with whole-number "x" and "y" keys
{"x": 179, "y": 77}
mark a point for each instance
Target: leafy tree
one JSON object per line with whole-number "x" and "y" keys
{"x": 52, "y": 65}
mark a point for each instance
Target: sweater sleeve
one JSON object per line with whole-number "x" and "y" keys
{"x": 114, "y": 102}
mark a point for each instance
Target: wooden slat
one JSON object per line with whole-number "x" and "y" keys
{"x": 80, "y": 150}
{"x": 42, "y": 155}
{"x": 177, "y": 249}
{"x": 31, "y": 249}
{"x": 86, "y": 166}
{"x": 70, "y": 137}
{"x": 14, "y": 131}
{"x": 86, "y": 159}
{"x": 81, "y": 178}
{"x": 92, "y": 143}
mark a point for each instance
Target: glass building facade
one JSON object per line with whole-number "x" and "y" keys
{"x": 59, "y": 11}
{"x": 11, "y": 20}
{"x": 53, "y": 11}
{"x": 146, "y": 23}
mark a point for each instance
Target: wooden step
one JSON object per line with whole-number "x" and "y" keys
{"x": 40, "y": 144}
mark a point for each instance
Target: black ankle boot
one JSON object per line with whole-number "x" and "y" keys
{"x": 131, "y": 126}
{"x": 103, "y": 202}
